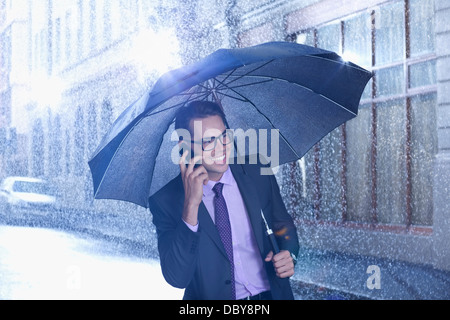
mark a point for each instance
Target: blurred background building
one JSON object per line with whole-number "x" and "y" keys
{"x": 375, "y": 186}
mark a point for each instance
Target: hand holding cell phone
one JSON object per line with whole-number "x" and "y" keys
{"x": 194, "y": 176}
{"x": 185, "y": 147}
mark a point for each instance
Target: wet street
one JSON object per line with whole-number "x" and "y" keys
{"x": 39, "y": 263}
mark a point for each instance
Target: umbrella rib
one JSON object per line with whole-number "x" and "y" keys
{"x": 129, "y": 131}
{"x": 228, "y": 75}
{"x": 245, "y": 85}
{"x": 269, "y": 79}
{"x": 250, "y": 84}
{"x": 235, "y": 98}
{"x": 115, "y": 152}
{"x": 226, "y": 86}
{"x": 299, "y": 85}
{"x": 159, "y": 149}
{"x": 268, "y": 120}
{"x": 202, "y": 96}
{"x": 245, "y": 74}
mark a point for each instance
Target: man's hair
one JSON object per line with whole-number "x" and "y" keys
{"x": 197, "y": 110}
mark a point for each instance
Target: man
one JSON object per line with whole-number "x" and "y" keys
{"x": 211, "y": 236}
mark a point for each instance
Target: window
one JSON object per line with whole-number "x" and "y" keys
{"x": 79, "y": 142}
{"x": 37, "y": 143}
{"x": 390, "y": 81}
{"x": 389, "y": 33}
{"x": 5, "y": 60}
{"x": 43, "y": 48}
{"x": 68, "y": 152}
{"x": 390, "y": 166}
{"x": 358, "y": 166}
{"x": 377, "y": 168}
{"x": 107, "y": 29}
{"x": 357, "y": 40}
{"x": 92, "y": 25}
{"x": 329, "y": 37}
{"x": 92, "y": 140}
{"x": 106, "y": 117}
{"x": 68, "y": 33}
{"x": 421, "y": 27}
{"x": 80, "y": 29}
{"x": 2, "y": 11}
{"x": 55, "y": 147}
{"x": 423, "y": 149}
{"x": 57, "y": 41}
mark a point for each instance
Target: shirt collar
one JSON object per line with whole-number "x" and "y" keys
{"x": 227, "y": 179}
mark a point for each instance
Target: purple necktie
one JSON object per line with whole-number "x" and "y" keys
{"x": 224, "y": 228}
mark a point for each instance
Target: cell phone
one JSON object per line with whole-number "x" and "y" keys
{"x": 183, "y": 147}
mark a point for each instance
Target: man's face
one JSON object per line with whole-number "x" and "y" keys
{"x": 215, "y": 160}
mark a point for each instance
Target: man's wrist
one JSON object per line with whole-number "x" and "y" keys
{"x": 190, "y": 214}
{"x": 193, "y": 228}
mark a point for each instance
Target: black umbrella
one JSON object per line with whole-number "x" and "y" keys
{"x": 302, "y": 91}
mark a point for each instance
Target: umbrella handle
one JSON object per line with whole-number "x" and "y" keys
{"x": 273, "y": 241}
{"x": 271, "y": 236}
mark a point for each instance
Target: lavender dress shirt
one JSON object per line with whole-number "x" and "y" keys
{"x": 250, "y": 275}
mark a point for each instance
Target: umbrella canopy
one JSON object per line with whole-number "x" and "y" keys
{"x": 302, "y": 91}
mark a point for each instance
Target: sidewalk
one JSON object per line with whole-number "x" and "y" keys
{"x": 332, "y": 275}
{"x": 319, "y": 275}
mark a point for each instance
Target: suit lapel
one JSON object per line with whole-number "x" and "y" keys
{"x": 208, "y": 226}
{"x": 252, "y": 204}
{"x": 205, "y": 222}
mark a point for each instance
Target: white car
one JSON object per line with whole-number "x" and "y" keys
{"x": 27, "y": 194}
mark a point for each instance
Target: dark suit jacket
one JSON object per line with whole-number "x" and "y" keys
{"x": 197, "y": 261}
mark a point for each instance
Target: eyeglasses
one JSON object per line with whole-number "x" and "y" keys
{"x": 209, "y": 144}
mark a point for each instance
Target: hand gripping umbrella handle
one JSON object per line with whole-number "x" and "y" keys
{"x": 271, "y": 236}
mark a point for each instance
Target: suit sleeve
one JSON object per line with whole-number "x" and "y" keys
{"x": 177, "y": 246}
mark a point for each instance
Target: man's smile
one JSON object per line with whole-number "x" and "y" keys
{"x": 217, "y": 158}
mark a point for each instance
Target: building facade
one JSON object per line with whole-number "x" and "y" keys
{"x": 70, "y": 70}
{"x": 375, "y": 186}
{"x": 14, "y": 69}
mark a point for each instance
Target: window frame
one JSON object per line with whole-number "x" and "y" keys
{"x": 407, "y": 95}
